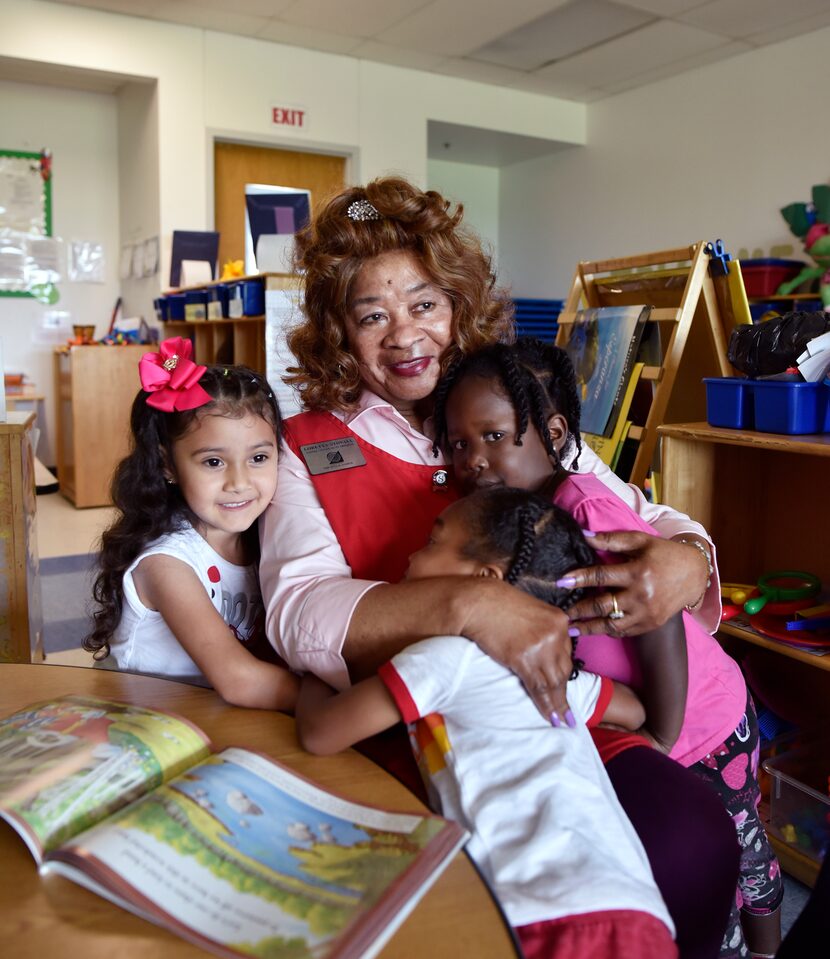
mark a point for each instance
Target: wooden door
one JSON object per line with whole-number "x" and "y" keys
{"x": 235, "y": 164}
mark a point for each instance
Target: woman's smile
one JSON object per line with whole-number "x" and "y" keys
{"x": 399, "y": 324}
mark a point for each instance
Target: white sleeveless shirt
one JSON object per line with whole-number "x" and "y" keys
{"x": 144, "y": 643}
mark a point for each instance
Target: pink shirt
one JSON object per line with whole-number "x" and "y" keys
{"x": 716, "y": 696}
{"x": 306, "y": 583}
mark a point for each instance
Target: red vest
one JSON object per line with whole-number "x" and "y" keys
{"x": 380, "y": 513}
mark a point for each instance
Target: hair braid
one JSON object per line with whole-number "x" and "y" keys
{"x": 439, "y": 410}
{"x": 535, "y": 541}
{"x": 516, "y": 382}
{"x": 526, "y": 543}
{"x": 564, "y": 393}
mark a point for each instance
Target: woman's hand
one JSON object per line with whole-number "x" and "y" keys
{"x": 658, "y": 578}
{"x": 527, "y": 636}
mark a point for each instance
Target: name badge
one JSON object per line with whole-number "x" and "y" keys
{"x": 332, "y": 455}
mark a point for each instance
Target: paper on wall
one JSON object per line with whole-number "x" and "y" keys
{"x": 282, "y": 311}
{"x": 86, "y": 262}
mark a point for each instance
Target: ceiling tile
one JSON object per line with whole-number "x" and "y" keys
{"x": 794, "y": 29}
{"x": 136, "y": 8}
{"x": 298, "y": 36}
{"x": 723, "y": 52}
{"x": 355, "y": 18}
{"x": 396, "y": 56}
{"x": 553, "y": 86}
{"x": 193, "y": 13}
{"x": 456, "y": 27}
{"x": 663, "y": 8}
{"x": 482, "y": 72}
{"x": 646, "y": 49}
{"x": 743, "y": 18}
{"x": 568, "y": 30}
{"x": 255, "y": 8}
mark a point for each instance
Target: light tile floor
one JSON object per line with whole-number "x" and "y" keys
{"x": 63, "y": 530}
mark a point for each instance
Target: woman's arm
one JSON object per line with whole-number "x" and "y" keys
{"x": 656, "y": 587}
{"x": 328, "y": 721}
{"x": 522, "y": 633}
{"x": 320, "y": 619}
{"x": 171, "y": 587}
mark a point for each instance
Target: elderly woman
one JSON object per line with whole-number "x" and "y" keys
{"x": 393, "y": 286}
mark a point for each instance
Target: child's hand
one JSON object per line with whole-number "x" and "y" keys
{"x": 656, "y": 580}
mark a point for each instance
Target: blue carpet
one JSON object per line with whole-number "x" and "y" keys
{"x": 66, "y": 590}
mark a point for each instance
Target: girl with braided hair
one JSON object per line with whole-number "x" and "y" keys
{"x": 509, "y": 415}
{"x": 547, "y": 831}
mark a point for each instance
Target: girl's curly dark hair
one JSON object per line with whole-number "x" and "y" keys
{"x": 148, "y": 506}
{"x": 329, "y": 254}
{"x": 531, "y": 539}
{"x": 538, "y": 378}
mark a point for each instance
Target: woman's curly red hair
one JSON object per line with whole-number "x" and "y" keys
{"x": 333, "y": 248}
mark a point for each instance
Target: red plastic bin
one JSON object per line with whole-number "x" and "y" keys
{"x": 763, "y": 277}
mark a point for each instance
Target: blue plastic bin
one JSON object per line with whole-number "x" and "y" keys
{"x": 782, "y": 406}
{"x": 175, "y": 306}
{"x": 729, "y": 402}
{"x": 253, "y": 297}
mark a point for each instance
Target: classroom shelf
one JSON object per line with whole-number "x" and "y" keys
{"x": 763, "y": 499}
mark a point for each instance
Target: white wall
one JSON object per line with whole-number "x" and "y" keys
{"x": 81, "y": 130}
{"x": 477, "y": 187}
{"x": 184, "y": 86}
{"x": 212, "y": 83}
{"x": 712, "y": 153}
{"x": 138, "y": 176}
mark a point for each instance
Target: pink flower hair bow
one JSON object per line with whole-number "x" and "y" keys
{"x": 172, "y": 378}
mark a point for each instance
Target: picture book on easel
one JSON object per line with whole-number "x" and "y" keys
{"x": 602, "y": 343}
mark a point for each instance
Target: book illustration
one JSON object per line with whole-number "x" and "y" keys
{"x": 608, "y": 448}
{"x": 602, "y": 345}
{"x": 66, "y": 764}
{"x": 294, "y": 878}
{"x": 231, "y": 851}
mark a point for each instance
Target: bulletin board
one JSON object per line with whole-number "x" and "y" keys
{"x": 25, "y": 208}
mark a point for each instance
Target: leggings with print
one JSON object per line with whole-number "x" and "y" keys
{"x": 732, "y": 771}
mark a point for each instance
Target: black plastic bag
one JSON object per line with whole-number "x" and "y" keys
{"x": 770, "y": 347}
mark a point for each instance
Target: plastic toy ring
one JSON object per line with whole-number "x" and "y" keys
{"x": 810, "y": 586}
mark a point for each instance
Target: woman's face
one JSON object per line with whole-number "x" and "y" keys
{"x": 398, "y": 324}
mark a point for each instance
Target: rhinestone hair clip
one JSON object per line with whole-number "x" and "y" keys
{"x": 362, "y": 210}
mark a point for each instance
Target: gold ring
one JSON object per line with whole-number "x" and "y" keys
{"x": 616, "y": 612}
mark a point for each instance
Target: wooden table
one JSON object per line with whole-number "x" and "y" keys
{"x": 47, "y": 916}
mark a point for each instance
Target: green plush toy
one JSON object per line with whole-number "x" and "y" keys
{"x": 811, "y": 224}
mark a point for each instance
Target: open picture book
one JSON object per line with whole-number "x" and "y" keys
{"x": 232, "y": 851}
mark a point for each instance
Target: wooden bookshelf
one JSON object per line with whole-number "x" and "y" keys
{"x": 230, "y": 340}
{"x": 763, "y": 497}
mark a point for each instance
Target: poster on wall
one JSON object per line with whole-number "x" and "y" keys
{"x": 25, "y": 215}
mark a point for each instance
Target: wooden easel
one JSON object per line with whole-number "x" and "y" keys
{"x": 678, "y": 287}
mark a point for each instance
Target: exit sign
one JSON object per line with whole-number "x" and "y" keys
{"x": 289, "y": 116}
